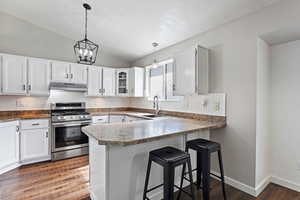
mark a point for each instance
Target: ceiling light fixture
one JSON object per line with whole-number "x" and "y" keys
{"x": 155, "y": 63}
{"x": 85, "y": 50}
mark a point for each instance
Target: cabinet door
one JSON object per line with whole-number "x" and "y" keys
{"x": 136, "y": 82}
{"x": 122, "y": 82}
{"x": 185, "y": 66}
{"x": 14, "y": 74}
{"x": 38, "y": 77}
{"x": 34, "y": 144}
{"x": 109, "y": 82}
{"x": 60, "y": 72}
{"x": 94, "y": 81}
{"x": 9, "y": 145}
{"x": 78, "y": 73}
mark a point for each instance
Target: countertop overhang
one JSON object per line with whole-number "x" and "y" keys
{"x": 147, "y": 130}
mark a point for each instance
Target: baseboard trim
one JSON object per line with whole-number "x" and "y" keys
{"x": 9, "y": 168}
{"x": 262, "y": 185}
{"x": 285, "y": 183}
{"x": 238, "y": 185}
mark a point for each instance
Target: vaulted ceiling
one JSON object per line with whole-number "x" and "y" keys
{"x": 128, "y": 27}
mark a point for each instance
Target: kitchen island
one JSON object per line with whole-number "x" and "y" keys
{"x": 118, "y": 153}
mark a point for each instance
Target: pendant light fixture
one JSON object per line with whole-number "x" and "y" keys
{"x": 85, "y": 50}
{"x": 155, "y": 63}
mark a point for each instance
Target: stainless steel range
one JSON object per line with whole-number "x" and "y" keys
{"x": 67, "y": 138}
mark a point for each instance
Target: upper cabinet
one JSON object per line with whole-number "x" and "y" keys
{"x": 38, "y": 76}
{"x": 101, "y": 81}
{"x": 108, "y": 81}
{"x": 60, "y": 72}
{"x": 136, "y": 81}
{"x": 191, "y": 71}
{"x": 94, "y": 81}
{"x": 123, "y": 82}
{"x": 78, "y": 73}
{"x": 14, "y": 79}
{"x": 68, "y": 73}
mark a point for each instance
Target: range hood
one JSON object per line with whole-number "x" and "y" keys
{"x": 75, "y": 87}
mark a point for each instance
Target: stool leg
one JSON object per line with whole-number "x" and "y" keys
{"x": 191, "y": 178}
{"x": 181, "y": 181}
{"x": 147, "y": 179}
{"x": 199, "y": 169}
{"x": 222, "y": 173}
{"x": 206, "y": 170}
{"x": 169, "y": 183}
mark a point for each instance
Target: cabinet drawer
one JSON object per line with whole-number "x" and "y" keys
{"x": 34, "y": 123}
{"x": 100, "y": 119}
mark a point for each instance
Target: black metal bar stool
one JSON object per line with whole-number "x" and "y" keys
{"x": 204, "y": 149}
{"x": 169, "y": 158}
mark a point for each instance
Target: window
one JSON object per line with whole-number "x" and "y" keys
{"x": 159, "y": 81}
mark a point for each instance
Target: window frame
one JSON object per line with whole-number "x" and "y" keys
{"x": 165, "y": 97}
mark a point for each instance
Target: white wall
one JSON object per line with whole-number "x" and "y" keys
{"x": 285, "y": 102}
{"x": 23, "y": 38}
{"x": 234, "y": 72}
{"x": 262, "y": 113}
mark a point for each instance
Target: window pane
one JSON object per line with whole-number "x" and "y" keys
{"x": 157, "y": 82}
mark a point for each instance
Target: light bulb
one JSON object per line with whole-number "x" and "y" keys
{"x": 80, "y": 51}
{"x": 85, "y": 52}
{"x": 91, "y": 53}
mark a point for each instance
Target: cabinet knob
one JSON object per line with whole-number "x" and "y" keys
{"x": 67, "y": 76}
{"x": 47, "y": 134}
{"x": 24, "y": 87}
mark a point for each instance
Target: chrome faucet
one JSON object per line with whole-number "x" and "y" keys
{"x": 155, "y": 104}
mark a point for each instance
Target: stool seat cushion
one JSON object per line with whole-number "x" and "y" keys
{"x": 169, "y": 154}
{"x": 202, "y": 144}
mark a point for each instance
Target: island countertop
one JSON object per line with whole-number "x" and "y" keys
{"x": 147, "y": 130}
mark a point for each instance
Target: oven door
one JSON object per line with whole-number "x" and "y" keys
{"x": 68, "y": 135}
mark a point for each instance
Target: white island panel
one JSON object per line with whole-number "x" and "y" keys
{"x": 118, "y": 172}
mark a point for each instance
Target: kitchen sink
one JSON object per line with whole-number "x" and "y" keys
{"x": 152, "y": 116}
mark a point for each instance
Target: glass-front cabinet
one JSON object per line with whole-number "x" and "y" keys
{"x": 122, "y": 82}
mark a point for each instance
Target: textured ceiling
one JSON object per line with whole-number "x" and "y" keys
{"x": 128, "y": 27}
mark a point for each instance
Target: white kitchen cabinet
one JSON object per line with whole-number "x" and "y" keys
{"x": 191, "y": 71}
{"x": 94, "y": 81}
{"x": 14, "y": 75}
{"x": 78, "y": 74}
{"x": 108, "y": 81}
{"x": 34, "y": 141}
{"x": 136, "y": 81}
{"x": 122, "y": 82}
{"x": 9, "y": 146}
{"x": 38, "y": 77}
{"x": 60, "y": 71}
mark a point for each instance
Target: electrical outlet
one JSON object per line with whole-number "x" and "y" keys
{"x": 217, "y": 106}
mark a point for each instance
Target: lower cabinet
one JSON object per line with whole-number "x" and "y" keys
{"x": 9, "y": 146}
{"x": 34, "y": 141}
{"x": 34, "y": 145}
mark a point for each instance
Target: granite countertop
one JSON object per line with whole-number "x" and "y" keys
{"x": 9, "y": 118}
{"x": 146, "y": 131}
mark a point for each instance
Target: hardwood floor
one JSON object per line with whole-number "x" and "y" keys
{"x": 69, "y": 180}
{"x": 60, "y": 180}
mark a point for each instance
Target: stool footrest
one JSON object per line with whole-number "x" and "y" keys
{"x": 183, "y": 190}
{"x": 151, "y": 189}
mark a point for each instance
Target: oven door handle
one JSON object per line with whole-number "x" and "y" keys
{"x": 71, "y": 124}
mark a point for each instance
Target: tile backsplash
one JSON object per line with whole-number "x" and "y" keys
{"x": 211, "y": 104}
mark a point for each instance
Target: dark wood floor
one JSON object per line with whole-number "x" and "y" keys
{"x": 68, "y": 180}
